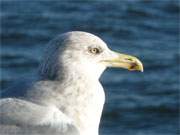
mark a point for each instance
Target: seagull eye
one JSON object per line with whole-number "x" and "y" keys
{"x": 94, "y": 50}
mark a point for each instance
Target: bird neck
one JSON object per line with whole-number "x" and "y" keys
{"x": 80, "y": 96}
{"x": 86, "y": 100}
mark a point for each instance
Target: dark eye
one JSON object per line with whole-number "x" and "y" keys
{"x": 94, "y": 50}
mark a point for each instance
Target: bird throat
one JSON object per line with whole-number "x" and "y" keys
{"x": 83, "y": 103}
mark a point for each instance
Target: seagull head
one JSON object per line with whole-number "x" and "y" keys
{"x": 82, "y": 53}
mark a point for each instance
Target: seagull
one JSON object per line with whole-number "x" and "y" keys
{"x": 67, "y": 97}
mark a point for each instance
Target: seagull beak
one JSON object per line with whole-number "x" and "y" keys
{"x": 124, "y": 61}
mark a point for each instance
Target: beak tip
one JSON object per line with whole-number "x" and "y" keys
{"x": 140, "y": 66}
{"x": 141, "y": 69}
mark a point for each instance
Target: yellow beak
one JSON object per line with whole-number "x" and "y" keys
{"x": 125, "y": 61}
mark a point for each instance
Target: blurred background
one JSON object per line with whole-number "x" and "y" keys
{"x": 136, "y": 103}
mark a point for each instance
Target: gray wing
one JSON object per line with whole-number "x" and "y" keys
{"x": 22, "y": 117}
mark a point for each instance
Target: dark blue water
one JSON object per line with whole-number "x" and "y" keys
{"x": 136, "y": 103}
